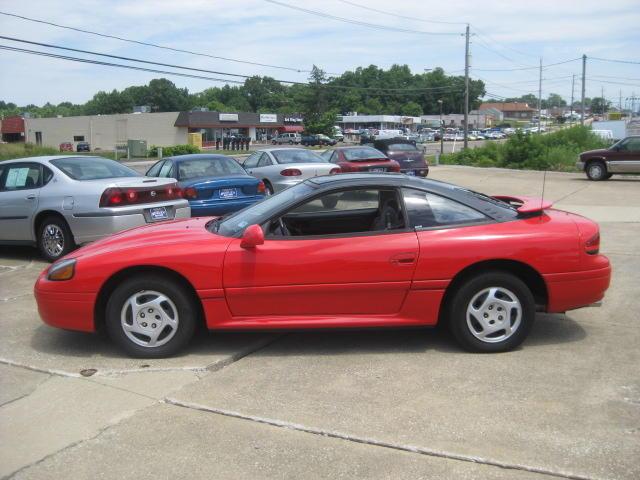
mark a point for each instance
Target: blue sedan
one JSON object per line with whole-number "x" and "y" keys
{"x": 213, "y": 184}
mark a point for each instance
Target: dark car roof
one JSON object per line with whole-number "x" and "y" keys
{"x": 197, "y": 156}
{"x": 496, "y": 209}
{"x": 389, "y": 141}
{"x": 351, "y": 147}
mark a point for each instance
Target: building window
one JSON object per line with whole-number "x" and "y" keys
{"x": 78, "y": 138}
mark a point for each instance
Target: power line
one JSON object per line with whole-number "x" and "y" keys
{"x": 633, "y": 62}
{"x": 109, "y": 64}
{"x": 397, "y": 91}
{"x": 155, "y": 45}
{"x": 525, "y": 68}
{"x": 481, "y": 33}
{"x": 597, "y": 80}
{"x": 358, "y": 22}
{"x": 353, "y": 4}
{"x": 481, "y": 43}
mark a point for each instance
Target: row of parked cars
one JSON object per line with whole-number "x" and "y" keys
{"x": 59, "y": 202}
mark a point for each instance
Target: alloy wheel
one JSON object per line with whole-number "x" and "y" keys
{"x": 149, "y": 318}
{"x": 53, "y": 240}
{"x": 494, "y": 314}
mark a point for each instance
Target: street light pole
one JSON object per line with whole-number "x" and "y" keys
{"x": 441, "y": 130}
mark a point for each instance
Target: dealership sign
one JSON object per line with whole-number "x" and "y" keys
{"x": 268, "y": 118}
{"x": 228, "y": 117}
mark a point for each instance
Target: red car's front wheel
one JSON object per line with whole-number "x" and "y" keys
{"x": 492, "y": 312}
{"x": 151, "y": 316}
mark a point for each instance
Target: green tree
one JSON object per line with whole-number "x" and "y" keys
{"x": 599, "y": 105}
{"x": 411, "y": 109}
{"x": 164, "y": 96}
{"x": 317, "y": 117}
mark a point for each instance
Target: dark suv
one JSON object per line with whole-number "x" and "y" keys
{"x": 621, "y": 157}
{"x": 405, "y": 152}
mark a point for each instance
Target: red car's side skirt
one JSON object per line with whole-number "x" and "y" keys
{"x": 421, "y": 307}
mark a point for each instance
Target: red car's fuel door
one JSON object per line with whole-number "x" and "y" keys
{"x": 357, "y": 274}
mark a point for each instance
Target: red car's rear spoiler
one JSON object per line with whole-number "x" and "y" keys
{"x": 525, "y": 204}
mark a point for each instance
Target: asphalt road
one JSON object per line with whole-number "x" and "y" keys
{"x": 365, "y": 404}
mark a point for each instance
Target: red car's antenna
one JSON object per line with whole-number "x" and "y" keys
{"x": 544, "y": 180}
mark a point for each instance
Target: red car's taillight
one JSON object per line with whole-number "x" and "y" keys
{"x": 261, "y": 187}
{"x": 117, "y": 197}
{"x": 395, "y": 167}
{"x": 333, "y": 171}
{"x": 190, "y": 193}
{"x": 291, "y": 172}
{"x": 592, "y": 246}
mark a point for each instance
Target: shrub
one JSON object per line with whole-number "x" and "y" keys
{"x": 555, "y": 151}
{"x": 9, "y": 151}
{"x": 175, "y": 150}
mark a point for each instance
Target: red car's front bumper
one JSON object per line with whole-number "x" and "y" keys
{"x": 68, "y": 310}
{"x": 571, "y": 290}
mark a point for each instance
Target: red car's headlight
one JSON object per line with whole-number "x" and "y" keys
{"x": 63, "y": 270}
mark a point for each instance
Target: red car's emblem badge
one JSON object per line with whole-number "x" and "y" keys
{"x": 153, "y": 193}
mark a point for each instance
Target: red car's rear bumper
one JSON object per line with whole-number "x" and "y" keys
{"x": 568, "y": 291}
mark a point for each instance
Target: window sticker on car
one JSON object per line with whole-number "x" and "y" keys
{"x": 17, "y": 177}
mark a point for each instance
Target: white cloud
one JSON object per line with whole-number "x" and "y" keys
{"x": 262, "y": 32}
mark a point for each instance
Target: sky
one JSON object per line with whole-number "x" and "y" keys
{"x": 508, "y": 38}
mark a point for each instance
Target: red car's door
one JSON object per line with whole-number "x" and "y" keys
{"x": 368, "y": 274}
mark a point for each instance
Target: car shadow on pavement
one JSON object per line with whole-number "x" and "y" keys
{"x": 548, "y": 330}
{"x": 20, "y": 253}
{"x": 65, "y": 343}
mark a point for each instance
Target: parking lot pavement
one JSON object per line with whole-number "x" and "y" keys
{"x": 370, "y": 404}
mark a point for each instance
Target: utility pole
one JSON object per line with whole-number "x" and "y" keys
{"x": 620, "y": 102}
{"x": 584, "y": 73}
{"x": 602, "y": 97}
{"x": 540, "y": 99}
{"x": 573, "y": 81}
{"x": 441, "y": 130}
{"x": 466, "y": 88}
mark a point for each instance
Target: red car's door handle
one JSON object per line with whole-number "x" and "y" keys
{"x": 403, "y": 259}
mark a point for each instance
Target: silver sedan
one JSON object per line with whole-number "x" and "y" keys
{"x": 59, "y": 202}
{"x": 280, "y": 168}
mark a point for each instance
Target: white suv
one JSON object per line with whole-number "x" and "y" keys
{"x": 290, "y": 138}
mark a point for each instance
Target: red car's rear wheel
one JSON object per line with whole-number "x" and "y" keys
{"x": 492, "y": 312}
{"x": 151, "y": 316}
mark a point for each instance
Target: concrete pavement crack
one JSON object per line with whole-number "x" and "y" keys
{"x": 100, "y": 432}
{"x": 377, "y": 443}
{"x": 40, "y": 383}
{"x": 570, "y": 194}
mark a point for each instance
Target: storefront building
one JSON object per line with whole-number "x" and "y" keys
{"x": 214, "y": 126}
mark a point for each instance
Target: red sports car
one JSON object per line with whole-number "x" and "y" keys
{"x": 360, "y": 159}
{"x": 391, "y": 250}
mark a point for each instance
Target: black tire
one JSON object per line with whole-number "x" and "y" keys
{"x": 290, "y": 142}
{"x": 457, "y": 312}
{"x": 597, "y": 171}
{"x": 54, "y": 229}
{"x": 268, "y": 187}
{"x": 181, "y": 298}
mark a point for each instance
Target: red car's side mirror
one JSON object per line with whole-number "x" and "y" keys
{"x": 252, "y": 237}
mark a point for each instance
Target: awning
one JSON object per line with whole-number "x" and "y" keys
{"x": 292, "y": 129}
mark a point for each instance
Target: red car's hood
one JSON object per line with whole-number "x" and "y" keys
{"x": 149, "y": 236}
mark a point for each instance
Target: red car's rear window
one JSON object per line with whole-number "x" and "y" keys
{"x": 365, "y": 153}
